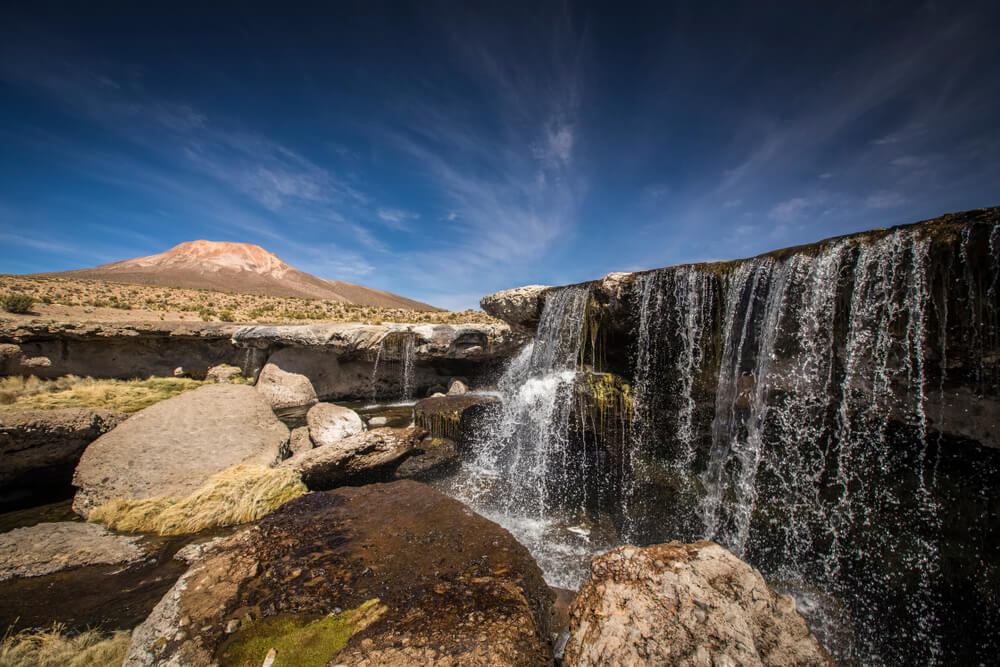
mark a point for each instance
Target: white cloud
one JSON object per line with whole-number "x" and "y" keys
{"x": 791, "y": 210}
{"x": 395, "y": 218}
{"x": 884, "y": 199}
{"x": 910, "y": 161}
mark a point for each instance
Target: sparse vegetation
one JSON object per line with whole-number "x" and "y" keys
{"x": 71, "y": 391}
{"x": 58, "y": 648}
{"x": 209, "y": 305}
{"x": 237, "y": 495}
{"x": 17, "y": 303}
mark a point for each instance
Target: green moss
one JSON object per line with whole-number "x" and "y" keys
{"x": 297, "y": 641}
{"x": 606, "y": 399}
{"x": 592, "y": 339}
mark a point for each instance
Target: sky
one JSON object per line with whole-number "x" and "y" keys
{"x": 446, "y": 150}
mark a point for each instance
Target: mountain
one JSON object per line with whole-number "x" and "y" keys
{"x": 235, "y": 267}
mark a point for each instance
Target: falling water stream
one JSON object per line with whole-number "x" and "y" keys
{"x": 788, "y": 407}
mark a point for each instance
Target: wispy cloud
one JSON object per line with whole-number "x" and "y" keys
{"x": 884, "y": 199}
{"x": 396, "y": 218}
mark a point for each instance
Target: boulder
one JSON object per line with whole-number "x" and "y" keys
{"x": 375, "y": 422}
{"x": 329, "y": 423}
{"x": 43, "y": 446}
{"x": 520, "y": 307}
{"x": 435, "y": 583}
{"x": 430, "y": 459}
{"x": 284, "y": 382}
{"x": 223, "y": 373}
{"x": 370, "y": 455}
{"x": 451, "y": 416}
{"x": 51, "y": 547}
{"x": 684, "y": 604}
{"x": 457, "y": 387}
{"x": 299, "y": 441}
{"x": 171, "y": 448}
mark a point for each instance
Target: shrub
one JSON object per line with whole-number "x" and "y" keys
{"x": 226, "y": 315}
{"x": 17, "y": 303}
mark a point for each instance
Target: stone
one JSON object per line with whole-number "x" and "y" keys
{"x": 452, "y": 416}
{"x": 370, "y": 455}
{"x": 52, "y": 547}
{"x": 329, "y": 423}
{"x": 223, "y": 373}
{"x": 171, "y": 448}
{"x": 43, "y": 446}
{"x": 192, "y": 552}
{"x": 375, "y": 422}
{"x": 684, "y": 604}
{"x": 520, "y": 307}
{"x": 284, "y": 382}
{"x": 431, "y": 459}
{"x": 457, "y": 387}
{"x": 442, "y": 578}
{"x": 299, "y": 441}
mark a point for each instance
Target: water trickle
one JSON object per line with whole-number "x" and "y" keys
{"x": 395, "y": 355}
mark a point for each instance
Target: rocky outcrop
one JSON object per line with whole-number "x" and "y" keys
{"x": 449, "y": 587}
{"x": 520, "y": 307}
{"x": 452, "y": 417}
{"x": 51, "y": 547}
{"x": 329, "y": 423}
{"x": 171, "y": 448}
{"x": 345, "y": 360}
{"x": 368, "y": 456}
{"x": 223, "y": 373}
{"x": 106, "y": 350}
{"x": 43, "y": 446}
{"x": 430, "y": 459}
{"x": 299, "y": 440}
{"x": 684, "y": 604}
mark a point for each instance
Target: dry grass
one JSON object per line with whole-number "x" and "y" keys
{"x": 71, "y": 391}
{"x": 211, "y": 305}
{"x": 57, "y": 648}
{"x": 233, "y": 496}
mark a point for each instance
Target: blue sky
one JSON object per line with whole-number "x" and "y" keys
{"x": 446, "y": 150}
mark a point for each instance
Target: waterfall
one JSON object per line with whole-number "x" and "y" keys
{"x": 528, "y": 474}
{"x": 813, "y": 457}
{"x": 395, "y": 352}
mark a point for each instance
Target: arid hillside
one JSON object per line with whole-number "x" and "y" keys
{"x": 78, "y": 300}
{"x": 236, "y": 267}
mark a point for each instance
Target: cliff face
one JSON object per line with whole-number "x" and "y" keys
{"x": 933, "y": 284}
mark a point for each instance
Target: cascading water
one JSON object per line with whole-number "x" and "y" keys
{"x": 816, "y": 461}
{"x": 527, "y": 474}
{"x": 395, "y": 356}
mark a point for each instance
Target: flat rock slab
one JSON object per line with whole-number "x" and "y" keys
{"x": 51, "y": 547}
{"x": 173, "y": 447}
{"x": 457, "y": 588}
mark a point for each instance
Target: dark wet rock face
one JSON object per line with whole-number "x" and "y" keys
{"x": 453, "y": 417}
{"x": 40, "y": 448}
{"x": 457, "y": 589}
{"x": 431, "y": 459}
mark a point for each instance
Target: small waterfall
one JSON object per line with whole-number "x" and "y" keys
{"x": 395, "y": 354}
{"x": 528, "y": 474}
{"x": 816, "y": 460}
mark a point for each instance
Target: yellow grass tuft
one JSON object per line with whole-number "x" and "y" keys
{"x": 237, "y": 495}
{"x": 56, "y": 648}
{"x": 71, "y": 391}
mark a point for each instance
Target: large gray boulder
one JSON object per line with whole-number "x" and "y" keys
{"x": 684, "y": 604}
{"x": 329, "y": 423}
{"x": 416, "y": 577}
{"x": 367, "y": 456}
{"x": 173, "y": 447}
{"x": 37, "y": 443}
{"x": 284, "y": 381}
{"x": 520, "y": 307}
{"x": 51, "y": 547}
